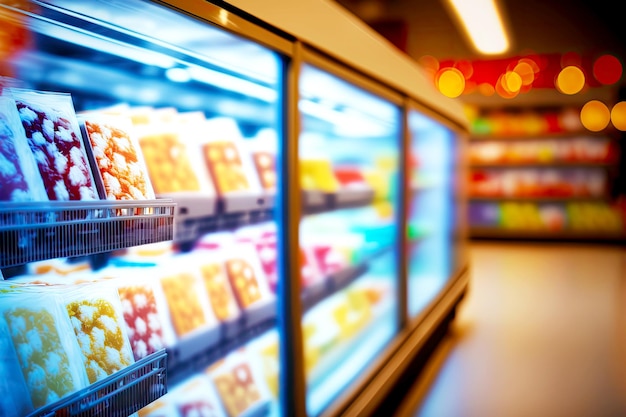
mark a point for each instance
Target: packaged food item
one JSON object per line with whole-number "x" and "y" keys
{"x": 196, "y": 397}
{"x": 54, "y": 136}
{"x": 46, "y": 346}
{"x": 171, "y": 162}
{"x": 20, "y": 179}
{"x": 187, "y": 302}
{"x": 227, "y": 157}
{"x": 264, "y": 351}
{"x": 95, "y": 313}
{"x": 144, "y": 309}
{"x": 216, "y": 283}
{"x": 14, "y": 397}
{"x": 116, "y": 154}
{"x": 238, "y": 384}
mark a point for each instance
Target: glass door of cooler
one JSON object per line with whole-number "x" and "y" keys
{"x": 349, "y": 149}
{"x": 165, "y": 105}
{"x": 431, "y": 210}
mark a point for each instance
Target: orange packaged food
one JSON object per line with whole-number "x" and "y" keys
{"x": 118, "y": 157}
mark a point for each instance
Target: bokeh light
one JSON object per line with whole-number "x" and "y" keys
{"x": 570, "y": 80}
{"x": 525, "y": 71}
{"x": 618, "y": 115}
{"x": 430, "y": 64}
{"x": 512, "y": 81}
{"x": 607, "y": 69}
{"x": 486, "y": 89}
{"x": 466, "y": 68}
{"x": 502, "y": 88}
{"x": 450, "y": 82}
{"x": 595, "y": 115}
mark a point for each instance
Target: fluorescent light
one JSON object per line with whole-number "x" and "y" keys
{"x": 233, "y": 83}
{"x": 483, "y": 24}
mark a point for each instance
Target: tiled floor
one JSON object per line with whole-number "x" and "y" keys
{"x": 542, "y": 333}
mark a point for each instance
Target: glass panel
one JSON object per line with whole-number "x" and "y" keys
{"x": 431, "y": 213}
{"x": 198, "y": 111}
{"x": 349, "y": 161}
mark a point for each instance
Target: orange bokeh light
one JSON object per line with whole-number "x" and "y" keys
{"x": 450, "y": 82}
{"x": 526, "y": 72}
{"x": 595, "y": 115}
{"x": 618, "y": 116}
{"x": 570, "y": 80}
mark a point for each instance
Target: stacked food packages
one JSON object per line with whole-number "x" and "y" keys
{"x": 49, "y": 151}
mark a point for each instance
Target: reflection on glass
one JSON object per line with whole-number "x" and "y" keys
{"x": 349, "y": 162}
{"x": 197, "y": 111}
{"x": 431, "y": 210}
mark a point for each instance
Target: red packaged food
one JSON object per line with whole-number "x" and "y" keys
{"x": 53, "y": 134}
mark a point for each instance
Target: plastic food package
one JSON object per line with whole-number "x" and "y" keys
{"x": 242, "y": 265}
{"x": 45, "y": 343}
{"x": 224, "y": 153}
{"x": 264, "y": 350}
{"x": 216, "y": 284}
{"x": 196, "y": 397}
{"x": 187, "y": 302}
{"x": 96, "y": 315}
{"x": 53, "y": 133}
{"x": 115, "y": 152}
{"x": 147, "y": 324}
{"x": 238, "y": 384}
{"x": 20, "y": 179}
{"x": 14, "y": 397}
{"x": 170, "y": 161}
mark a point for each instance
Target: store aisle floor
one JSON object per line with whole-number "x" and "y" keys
{"x": 542, "y": 332}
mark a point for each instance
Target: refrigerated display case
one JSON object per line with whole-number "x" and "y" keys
{"x": 433, "y": 198}
{"x": 213, "y": 210}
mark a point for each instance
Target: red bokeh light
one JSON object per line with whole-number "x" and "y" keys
{"x": 607, "y": 69}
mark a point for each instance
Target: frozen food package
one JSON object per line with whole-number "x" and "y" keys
{"x": 196, "y": 397}
{"x": 147, "y": 323}
{"x": 215, "y": 282}
{"x": 238, "y": 384}
{"x": 95, "y": 313}
{"x": 263, "y": 237}
{"x": 20, "y": 179}
{"x": 171, "y": 163}
{"x": 114, "y": 150}
{"x": 49, "y": 120}
{"x": 188, "y": 304}
{"x": 243, "y": 268}
{"x": 227, "y": 158}
{"x": 263, "y": 149}
{"x": 264, "y": 351}
{"x": 46, "y": 346}
{"x": 14, "y": 396}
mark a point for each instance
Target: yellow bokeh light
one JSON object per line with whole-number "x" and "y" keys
{"x": 450, "y": 82}
{"x": 618, "y": 116}
{"x": 526, "y": 72}
{"x": 570, "y": 80}
{"x": 595, "y": 115}
{"x": 512, "y": 82}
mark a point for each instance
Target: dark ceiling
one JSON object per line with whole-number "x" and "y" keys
{"x": 541, "y": 26}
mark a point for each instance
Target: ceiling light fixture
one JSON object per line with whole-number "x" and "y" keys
{"x": 483, "y": 24}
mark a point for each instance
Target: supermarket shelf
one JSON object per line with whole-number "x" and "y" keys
{"x": 119, "y": 395}
{"x": 546, "y": 235}
{"x": 339, "y": 280}
{"x": 196, "y": 353}
{"x": 315, "y": 202}
{"x": 37, "y": 231}
{"x": 538, "y": 164}
{"x": 199, "y": 351}
{"x": 531, "y": 199}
